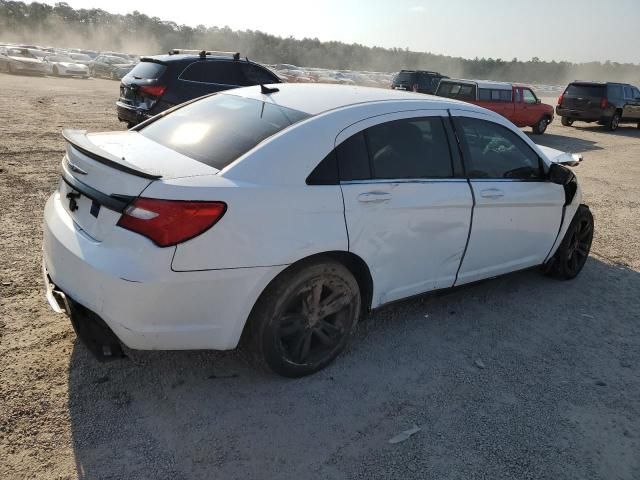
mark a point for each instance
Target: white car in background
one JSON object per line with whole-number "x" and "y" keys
{"x": 281, "y": 214}
{"x": 65, "y": 66}
{"x": 21, "y": 60}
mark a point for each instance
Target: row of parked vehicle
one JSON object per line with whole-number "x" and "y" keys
{"x": 607, "y": 103}
{"x": 36, "y": 60}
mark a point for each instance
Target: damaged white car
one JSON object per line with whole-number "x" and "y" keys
{"x": 281, "y": 214}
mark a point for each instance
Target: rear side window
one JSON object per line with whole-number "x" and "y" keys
{"x": 494, "y": 95}
{"x": 147, "y": 71}
{"x": 459, "y": 91}
{"x": 615, "y": 91}
{"x": 218, "y": 72}
{"x": 493, "y": 151}
{"x": 585, "y": 90}
{"x": 255, "y": 75}
{"x": 409, "y": 148}
{"x": 218, "y": 129}
{"x": 353, "y": 159}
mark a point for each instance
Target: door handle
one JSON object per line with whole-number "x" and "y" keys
{"x": 374, "y": 197}
{"x": 491, "y": 193}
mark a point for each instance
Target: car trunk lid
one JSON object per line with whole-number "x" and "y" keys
{"x": 103, "y": 173}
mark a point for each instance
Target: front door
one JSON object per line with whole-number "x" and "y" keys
{"x": 407, "y": 215}
{"x": 517, "y": 213}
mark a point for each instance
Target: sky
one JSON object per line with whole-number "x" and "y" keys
{"x": 573, "y": 30}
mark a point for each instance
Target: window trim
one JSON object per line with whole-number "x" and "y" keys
{"x": 465, "y": 153}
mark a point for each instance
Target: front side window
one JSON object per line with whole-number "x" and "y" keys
{"x": 627, "y": 93}
{"x": 636, "y": 93}
{"x": 493, "y": 151}
{"x": 529, "y": 96}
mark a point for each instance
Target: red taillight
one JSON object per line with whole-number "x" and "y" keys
{"x": 152, "y": 90}
{"x": 604, "y": 103}
{"x": 560, "y": 99}
{"x": 169, "y": 222}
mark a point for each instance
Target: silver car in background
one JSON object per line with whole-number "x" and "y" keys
{"x": 21, "y": 60}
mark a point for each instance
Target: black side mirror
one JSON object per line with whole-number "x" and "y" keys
{"x": 560, "y": 175}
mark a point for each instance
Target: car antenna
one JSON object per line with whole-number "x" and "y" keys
{"x": 267, "y": 90}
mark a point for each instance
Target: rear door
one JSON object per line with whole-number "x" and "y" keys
{"x": 631, "y": 110}
{"x": 517, "y": 213}
{"x": 406, "y": 211}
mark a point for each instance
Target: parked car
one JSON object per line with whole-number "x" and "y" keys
{"x": 607, "y": 103}
{"x": 21, "y": 60}
{"x": 65, "y": 66}
{"x": 82, "y": 58}
{"x": 163, "y": 81}
{"x": 108, "y": 66}
{"x": 283, "y": 213}
{"x": 516, "y": 102}
{"x": 420, "y": 81}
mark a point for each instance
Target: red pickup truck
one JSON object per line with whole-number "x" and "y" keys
{"x": 518, "y": 103}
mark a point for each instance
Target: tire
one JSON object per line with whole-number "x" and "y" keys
{"x": 10, "y": 69}
{"x": 288, "y": 329}
{"x": 56, "y": 72}
{"x": 573, "y": 252}
{"x": 540, "y": 127}
{"x": 566, "y": 121}
{"x": 112, "y": 76}
{"x": 614, "y": 122}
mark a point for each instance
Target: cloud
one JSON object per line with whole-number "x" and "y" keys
{"x": 418, "y": 9}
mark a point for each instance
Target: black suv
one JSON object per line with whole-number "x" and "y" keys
{"x": 160, "y": 82}
{"x": 609, "y": 104}
{"x": 420, "y": 81}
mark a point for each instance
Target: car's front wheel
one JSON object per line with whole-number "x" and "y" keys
{"x": 540, "y": 127}
{"x": 566, "y": 121}
{"x": 305, "y": 318}
{"x": 573, "y": 252}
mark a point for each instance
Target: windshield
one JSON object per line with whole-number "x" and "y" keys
{"x": 585, "y": 90}
{"x": 218, "y": 129}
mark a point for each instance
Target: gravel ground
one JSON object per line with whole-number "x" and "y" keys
{"x": 521, "y": 377}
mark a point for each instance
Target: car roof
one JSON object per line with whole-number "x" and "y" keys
{"x": 316, "y": 98}
{"x": 482, "y": 83}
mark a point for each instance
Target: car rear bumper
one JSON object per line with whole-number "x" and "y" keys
{"x": 129, "y": 285}
{"x": 584, "y": 115}
{"x": 130, "y": 114}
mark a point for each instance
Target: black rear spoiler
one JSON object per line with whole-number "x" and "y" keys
{"x": 78, "y": 139}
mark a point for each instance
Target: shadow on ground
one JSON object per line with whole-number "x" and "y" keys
{"x": 517, "y": 377}
{"x": 565, "y": 143}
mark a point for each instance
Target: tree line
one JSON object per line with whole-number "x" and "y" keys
{"x": 60, "y": 25}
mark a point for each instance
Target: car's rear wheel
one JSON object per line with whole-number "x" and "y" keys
{"x": 112, "y": 75}
{"x": 305, "y": 318}
{"x": 10, "y": 69}
{"x": 566, "y": 121}
{"x": 540, "y": 127}
{"x": 56, "y": 72}
{"x": 614, "y": 122}
{"x": 573, "y": 252}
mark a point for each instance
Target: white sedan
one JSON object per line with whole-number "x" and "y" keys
{"x": 282, "y": 214}
{"x": 65, "y": 66}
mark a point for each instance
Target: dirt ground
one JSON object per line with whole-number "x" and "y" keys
{"x": 520, "y": 377}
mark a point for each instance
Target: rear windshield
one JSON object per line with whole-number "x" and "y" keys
{"x": 578, "y": 90}
{"x": 218, "y": 129}
{"x": 460, "y": 91}
{"x": 405, "y": 77}
{"x": 147, "y": 71}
